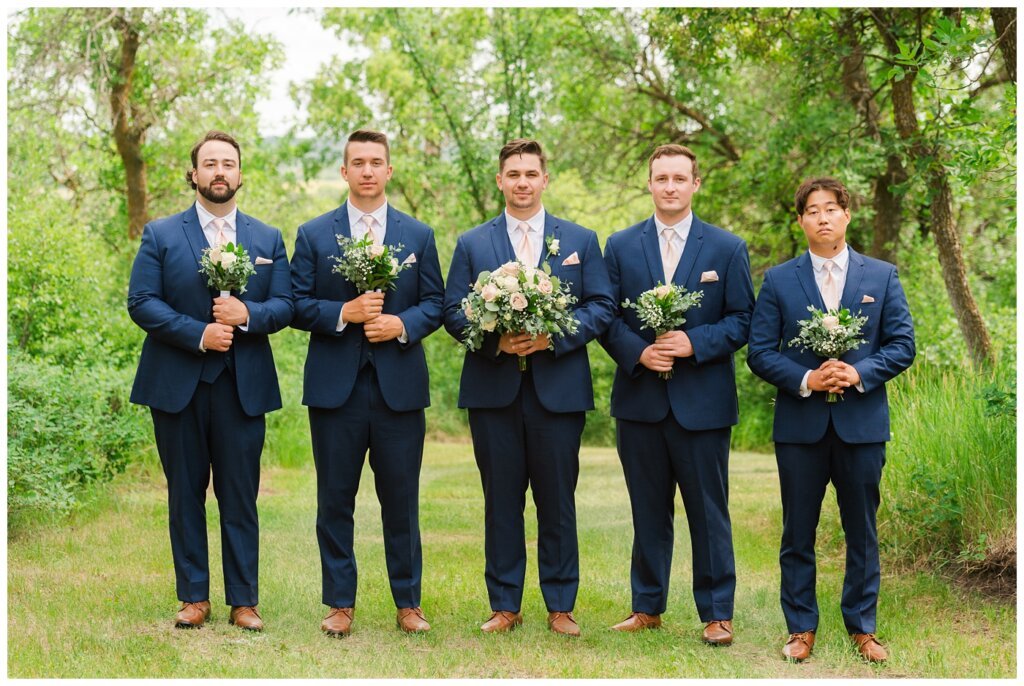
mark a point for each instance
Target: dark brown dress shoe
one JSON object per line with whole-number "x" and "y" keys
{"x": 246, "y": 617}
{"x": 798, "y": 647}
{"x": 501, "y": 621}
{"x": 869, "y": 647}
{"x": 338, "y": 621}
{"x": 563, "y": 623}
{"x": 638, "y": 621}
{"x": 192, "y": 615}
{"x": 718, "y": 632}
{"x": 412, "y": 621}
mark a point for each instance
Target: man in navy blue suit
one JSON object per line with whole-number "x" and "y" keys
{"x": 526, "y": 426}
{"x": 207, "y": 374}
{"x": 676, "y": 431}
{"x": 816, "y": 441}
{"x": 365, "y": 380}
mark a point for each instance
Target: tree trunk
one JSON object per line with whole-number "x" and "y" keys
{"x": 127, "y": 136}
{"x": 1004, "y": 20}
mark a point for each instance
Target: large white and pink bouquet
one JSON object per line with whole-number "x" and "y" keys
{"x": 518, "y": 299}
{"x": 829, "y": 334}
{"x": 367, "y": 265}
{"x": 226, "y": 268}
{"x": 662, "y": 308}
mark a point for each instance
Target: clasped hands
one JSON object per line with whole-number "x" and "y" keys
{"x": 228, "y": 313}
{"x": 833, "y": 376}
{"x": 522, "y": 344}
{"x": 367, "y": 310}
{"x": 659, "y": 356}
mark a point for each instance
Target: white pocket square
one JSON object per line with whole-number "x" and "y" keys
{"x": 571, "y": 259}
{"x": 411, "y": 259}
{"x": 867, "y": 299}
{"x": 708, "y": 277}
{"x": 263, "y": 260}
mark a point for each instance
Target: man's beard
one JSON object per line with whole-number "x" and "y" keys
{"x": 221, "y": 194}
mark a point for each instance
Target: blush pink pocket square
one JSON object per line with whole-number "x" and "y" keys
{"x": 263, "y": 260}
{"x": 709, "y": 277}
{"x": 867, "y": 299}
{"x": 411, "y": 259}
{"x": 571, "y": 259}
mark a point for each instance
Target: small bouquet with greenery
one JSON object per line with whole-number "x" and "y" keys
{"x": 518, "y": 299}
{"x": 227, "y": 268}
{"x": 662, "y": 309}
{"x": 829, "y": 334}
{"x": 367, "y": 265}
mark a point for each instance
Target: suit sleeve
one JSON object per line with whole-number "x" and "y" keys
{"x": 764, "y": 356}
{"x": 311, "y": 313}
{"x": 624, "y": 345}
{"x": 146, "y": 304}
{"x": 274, "y": 313}
{"x": 424, "y": 318}
{"x": 896, "y": 345}
{"x": 714, "y": 342}
{"x": 595, "y": 308}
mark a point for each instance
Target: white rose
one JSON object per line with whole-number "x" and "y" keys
{"x": 394, "y": 266}
{"x": 489, "y": 324}
{"x": 553, "y": 246}
{"x": 545, "y": 287}
{"x": 509, "y": 283}
{"x": 530, "y": 272}
{"x": 376, "y": 250}
{"x": 489, "y": 292}
{"x": 662, "y": 291}
{"x": 561, "y": 302}
{"x": 227, "y": 259}
{"x": 518, "y": 301}
{"x": 830, "y": 322}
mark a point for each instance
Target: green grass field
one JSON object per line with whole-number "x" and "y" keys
{"x": 94, "y": 597}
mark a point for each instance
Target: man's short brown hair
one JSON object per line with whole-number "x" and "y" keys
{"x": 522, "y": 146}
{"x": 821, "y": 183}
{"x": 369, "y": 136}
{"x": 211, "y": 136}
{"x": 673, "y": 150}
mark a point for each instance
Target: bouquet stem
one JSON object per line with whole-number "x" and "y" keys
{"x": 665, "y": 375}
{"x": 522, "y": 363}
{"x": 832, "y": 397}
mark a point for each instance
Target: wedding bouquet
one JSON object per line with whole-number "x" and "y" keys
{"x": 829, "y": 334}
{"x": 662, "y": 308}
{"x": 370, "y": 267}
{"x": 518, "y": 299}
{"x": 227, "y": 268}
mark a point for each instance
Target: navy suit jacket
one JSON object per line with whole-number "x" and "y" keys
{"x": 333, "y": 358}
{"x": 702, "y": 390}
{"x": 169, "y": 299}
{"x": 561, "y": 376}
{"x": 787, "y": 291}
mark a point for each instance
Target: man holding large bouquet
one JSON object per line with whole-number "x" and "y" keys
{"x": 368, "y": 288}
{"x": 817, "y": 441}
{"x": 207, "y": 372}
{"x": 527, "y": 421}
{"x": 674, "y": 395}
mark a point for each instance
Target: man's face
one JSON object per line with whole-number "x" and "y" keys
{"x": 218, "y": 174}
{"x": 522, "y": 181}
{"x": 367, "y": 171}
{"x": 824, "y": 222}
{"x": 672, "y": 185}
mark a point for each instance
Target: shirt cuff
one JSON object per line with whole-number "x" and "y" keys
{"x": 403, "y": 337}
{"x": 341, "y": 320}
{"x": 860, "y": 387}
{"x": 202, "y": 348}
{"x": 244, "y": 327}
{"x": 804, "y": 390}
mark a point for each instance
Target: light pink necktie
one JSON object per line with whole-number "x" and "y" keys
{"x": 525, "y": 249}
{"x": 829, "y": 287}
{"x": 369, "y": 221}
{"x": 221, "y": 239}
{"x": 669, "y": 254}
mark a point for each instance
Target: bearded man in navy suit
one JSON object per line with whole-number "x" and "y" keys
{"x": 365, "y": 381}
{"x": 527, "y": 425}
{"x": 675, "y": 432}
{"x": 207, "y": 374}
{"x": 817, "y": 441}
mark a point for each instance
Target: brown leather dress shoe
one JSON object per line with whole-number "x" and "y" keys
{"x": 798, "y": 647}
{"x": 718, "y": 632}
{"x": 338, "y": 621}
{"x": 501, "y": 621}
{"x": 246, "y": 617}
{"x": 869, "y": 647}
{"x": 563, "y": 623}
{"x": 638, "y": 621}
{"x": 412, "y": 621}
{"x": 192, "y": 615}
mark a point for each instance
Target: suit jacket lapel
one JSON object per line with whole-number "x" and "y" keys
{"x": 503, "y": 251}
{"x": 854, "y": 274}
{"x": 393, "y": 233}
{"x": 340, "y": 227}
{"x": 550, "y": 234}
{"x": 194, "y": 233}
{"x": 691, "y": 249}
{"x": 805, "y": 274}
{"x": 652, "y": 251}
{"x": 243, "y": 234}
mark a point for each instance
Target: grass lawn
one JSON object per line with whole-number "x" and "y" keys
{"x": 94, "y": 597}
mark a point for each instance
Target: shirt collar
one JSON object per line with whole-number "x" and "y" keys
{"x": 205, "y": 216}
{"x": 840, "y": 260}
{"x": 682, "y": 227}
{"x": 355, "y": 215}
{"x": 536, "y": 222}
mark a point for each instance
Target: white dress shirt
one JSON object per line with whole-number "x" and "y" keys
{"x": 536, "y": 223}
{"x": 682, "y": 229}
{"x": 839, "y": 269}
{"x": 358, "y": 229}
